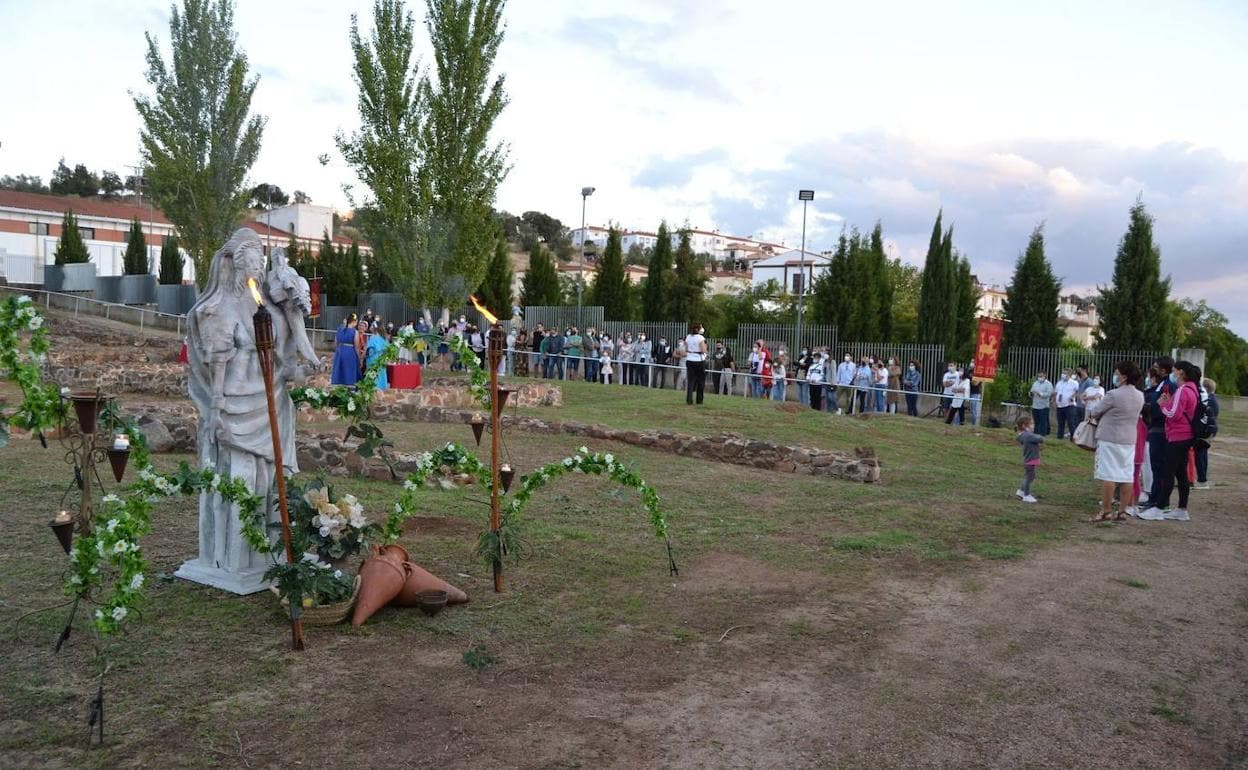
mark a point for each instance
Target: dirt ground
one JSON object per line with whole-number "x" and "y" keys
{"x": 1127, "y": 649}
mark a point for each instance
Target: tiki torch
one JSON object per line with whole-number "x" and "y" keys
{"x": 263, "y": 323}
{"x": 493, "y": 356}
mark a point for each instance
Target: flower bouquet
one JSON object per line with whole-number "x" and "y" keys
{"x": 332, "y": 526}
{"x": 326, "y": 595}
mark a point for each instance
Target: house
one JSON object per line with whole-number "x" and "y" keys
{"x": 633, "y": 273}
{"x": 736, "y": 250}
{"x": 638, "y": 238}
{"x": 991, "y": 301}
{"x": 590, "y": 234}
{"x": 787, "y": 269}
{"x": 726, "y": 282}
{"x": 30, "y": 226}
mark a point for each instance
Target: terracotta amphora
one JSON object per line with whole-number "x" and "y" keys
{"x": 419, "y": 579}
{"x": 381, "y": 579}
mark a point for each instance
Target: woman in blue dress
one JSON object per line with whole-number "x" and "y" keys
{"x": 346, "y": 360}
{"x": 377, "y": 344}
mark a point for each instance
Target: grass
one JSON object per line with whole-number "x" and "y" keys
{"x": 1131, "y": 583}
{"x": 592, "y": 591}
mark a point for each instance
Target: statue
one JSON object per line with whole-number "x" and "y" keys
{"x": 228, "y": 390}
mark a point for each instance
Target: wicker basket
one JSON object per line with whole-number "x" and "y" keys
{"x": 326, "y": 614}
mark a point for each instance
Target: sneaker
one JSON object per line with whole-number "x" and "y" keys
{"x": 1029, "y": 499}
{"x": 1133, "y": 510}
{"x": 1152, "y": 514}
{"x": 1019, "y": 494}
{"x": 1177, "y": 514}
{"x": 1201, "y": 485}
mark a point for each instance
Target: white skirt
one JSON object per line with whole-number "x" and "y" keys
{"x": 1115, "y": 462}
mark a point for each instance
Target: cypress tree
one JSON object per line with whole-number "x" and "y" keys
{"x": 541, "y": 284}
{"x": 354, "y": 267}
{"x": 70, "y": 250}
{"x": 688, "y": 284}
{"x": 170, "y": 262}
{"x": 610, "y": 287}
{"x": 655, "y": 295}
{"x": 1031, "y": 299}
{"x": 884, "y": 289}
{"x": 339, "y": 282}
{"x": 295, "y": 258}
{"x": 1133, "y": 309}
{"x": 966, "y": 293}
{"x": 495, "y": 289}
{"x": 134, "y": 261}
{"x": 934, "y": 292}
{"x": 830, "y": 290}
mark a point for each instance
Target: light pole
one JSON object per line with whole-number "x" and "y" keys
{"x": 805, "y": 196}
{"x": 580, "y": 273}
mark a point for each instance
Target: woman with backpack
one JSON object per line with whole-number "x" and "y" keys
{"x": 1179, "y": 410}
{"x": 1210, "y": 399}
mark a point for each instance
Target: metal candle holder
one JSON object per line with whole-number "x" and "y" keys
{"x": 494, "y": 355}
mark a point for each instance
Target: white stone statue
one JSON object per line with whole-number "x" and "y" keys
{"x": 228, "y": 390}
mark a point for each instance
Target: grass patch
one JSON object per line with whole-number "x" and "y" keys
{"x": 1131, "y": 582}
{"x": 887, "y": 541}
{"x": 1170, "y": 714}
{"x": 996, "y": 551}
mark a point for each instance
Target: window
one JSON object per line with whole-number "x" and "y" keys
{"x": 797, "y": 283}
{"x": 37, "y": 228}
{"x": 88, "y": 233}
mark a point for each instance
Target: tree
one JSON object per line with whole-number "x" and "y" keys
{"x": 462, "y": 168}
{"x": 70, "y": 249}
{"x": 545, "y": 226}
{"x": 354, "y": 261}
{"x": 295, "y": 257}
{"x": 962, "y": 343}
{"x": 376, "y": 280}
{"x": 339, "y": 273}
{"x": 495, "y": 289}
{"x": 610, "y": 287}
{"x": 265, "y": 196}
{"x": 882, "y": 285}
{"x": 1031, "y": 299}
{"x": 170, "y": 262}
{"x": 1226, "y": 353}
{"x": 688, "y": 284}
{"x": 1133, "y": 312}
{"x": 541, "y": 284}
{"x": 111, "y": 184}
{"x": 79, "y": 181}
{"x": 935, "y": 292}
{"x": 906, "y": 281}
{"x": 301, "y": 197}
{"x": 198, "y": 142}
{"x": 830, "y": 298}
{"x": 23, "y": 183}
{"x": 655, "y": 299}
{"x": 134, "y": 261}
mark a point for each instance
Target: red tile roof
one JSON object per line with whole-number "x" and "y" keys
{"x": 92, "y": 207}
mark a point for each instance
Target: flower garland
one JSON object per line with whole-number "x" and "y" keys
{"x": 492, "y": 548}
{"x": 41, "y": 405}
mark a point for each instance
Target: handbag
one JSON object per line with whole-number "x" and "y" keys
{"x": 1085, "y": 435}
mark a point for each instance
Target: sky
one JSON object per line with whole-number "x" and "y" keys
{"x": 713, "y": 114}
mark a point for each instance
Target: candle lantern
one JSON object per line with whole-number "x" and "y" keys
{"x": 506, "y": 473}
{"x": 87, "y": 407}
{"x": 63, "y": 526}
{"x": 478, "y": 425}
{"x": 118, "y": 458}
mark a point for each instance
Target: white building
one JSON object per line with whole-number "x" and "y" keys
{"x": 787, "y": 269}
{"x": 305, "y": 220}
{"x": 991, "y": 301}
{"x": 638, "y": 238}
{"x": 591, "y": 234}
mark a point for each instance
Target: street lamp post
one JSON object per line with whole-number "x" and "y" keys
{"x": 805, "y": 196}
{"x": 580, "y": 273}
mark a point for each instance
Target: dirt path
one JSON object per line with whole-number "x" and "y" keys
{"x": 1129, "y": 649}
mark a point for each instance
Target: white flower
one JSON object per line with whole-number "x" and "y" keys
{"x": 208, "y": 465}
{"x": 567, "y": 462}
{"x": 324, "y": 531}
{"x": 409, "y": 485}
{"x": 136, "y": 582}
{"x": 338, "y": 574}
{"x": 119, "y": 613}
{"x": 110, "y": 498}
{"x": 121, "y": 546}
{"x": 146, "y": 474}
{"x": 73, "y": 556}
{"x": 609, "y": 458}
{"x": 398, "y": 508}
{"x": 99, "y": 614}
{"x": 99, "y": 547}
{"x": 584, "y": 450}
{"x": 358, "y": 521}
{"x": 350, "y": 404}
{"x": 216, "y": 481}
{"x": 111, "y": 525}
{"x": 24, "y": 300}
{"x": 75, "y": 580}
{"x": 35, "y": 323}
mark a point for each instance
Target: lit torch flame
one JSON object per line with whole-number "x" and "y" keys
{"x": 493, "y": 319}
{"x": 251, "y": 284}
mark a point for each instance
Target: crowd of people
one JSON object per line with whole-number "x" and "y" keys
{"x": 1151, "y": 434}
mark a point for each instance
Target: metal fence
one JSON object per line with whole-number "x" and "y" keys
{"x": 784, "y": 337}
{"x": 1026, "y": 362}
{"x": 560, "y": 317}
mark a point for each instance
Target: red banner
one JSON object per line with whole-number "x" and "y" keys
{"x": 314, "y": 286}
{"x": 987, "y": 348}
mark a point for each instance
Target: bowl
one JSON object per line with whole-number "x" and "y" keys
{"x": 431, "y": 602}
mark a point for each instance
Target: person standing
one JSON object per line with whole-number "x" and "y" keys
{"x": 538, "y": 345}
{"x": 377, "y": 344}
{"x": 726, "y": 367}
{"x": 522, "y": 356}
{"x": 573, "y": 351}
{"x": 845, "y": 372}
{"x": 717, "y": 365}
{"x": 1117, "y": 414}
{"x": 662, "y": 361}
{"x": 1085, "y": 382}
{"x": 894, "y": 385}
{"x": 880, "y": 385}
{"x": 1162, "y": 374}
{"x": 624, "y": 350}
{"x": 589, "y": 345}
{"x": 1178, "y": 409}
{"x": 814, "y": 379}
{"x": 957, "y": 406}
{"x": 346, "y": 356}
{"x": 1041, "y": 397}
{"x": 606, "y": 349}
{"x": 779, "y": 373}
{"x": 1064, "y": 394}
{"x": 361, "y": 344}
{"x": 1031, "y": 443}
{"x": 948, "y": 381}
{"x": 642, "y": 355}
{"x": 800, "y": 366}
{"x": 864, "y": 378}
{"x": 680, "y": 362}
{"x": 1210, "y": 398}
{"x": 695, "y": 363}
{"x": 912, "y": 383}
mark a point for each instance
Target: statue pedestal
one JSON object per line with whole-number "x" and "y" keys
{"x": 242, "y": 582}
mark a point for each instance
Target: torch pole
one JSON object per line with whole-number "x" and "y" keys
{"x": 494, "y": 354}
{"x": 264, "y": 347}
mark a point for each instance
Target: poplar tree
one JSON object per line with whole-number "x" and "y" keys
{"x": 1134, "y": 312}
{"x": 686, "y": 297}
{"x": 1031, "y": 299}
{"x": 134, "y": 261}
{"x": 197, "y": 140}
{"x": 495, "y": 289}
{"x": 541, "y": 283}
{"x": 655, "y": 294}
{"x": 70, "y": 249}
{"x": 610, "y": 289}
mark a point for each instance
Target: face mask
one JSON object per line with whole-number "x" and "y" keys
{"x": 1097, "y": 380}
{"x": 848, "y": 359}
{"x": 1065, "y": 377}
{"x": 1117, "y": 381}
{"x": 912, "y": 367}
{"x": 952, "y": 369}
{"x": 1041, "y": 378}
{"x": 1174, "y": 378}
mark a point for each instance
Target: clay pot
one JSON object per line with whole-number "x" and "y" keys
{"x": 431, "y": 602}
{"x": 381, "y": 579}
{"x": 419, "y": 580}
{"x": 394, "y": 552}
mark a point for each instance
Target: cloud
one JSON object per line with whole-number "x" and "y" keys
{"x": 677, "y": 171}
